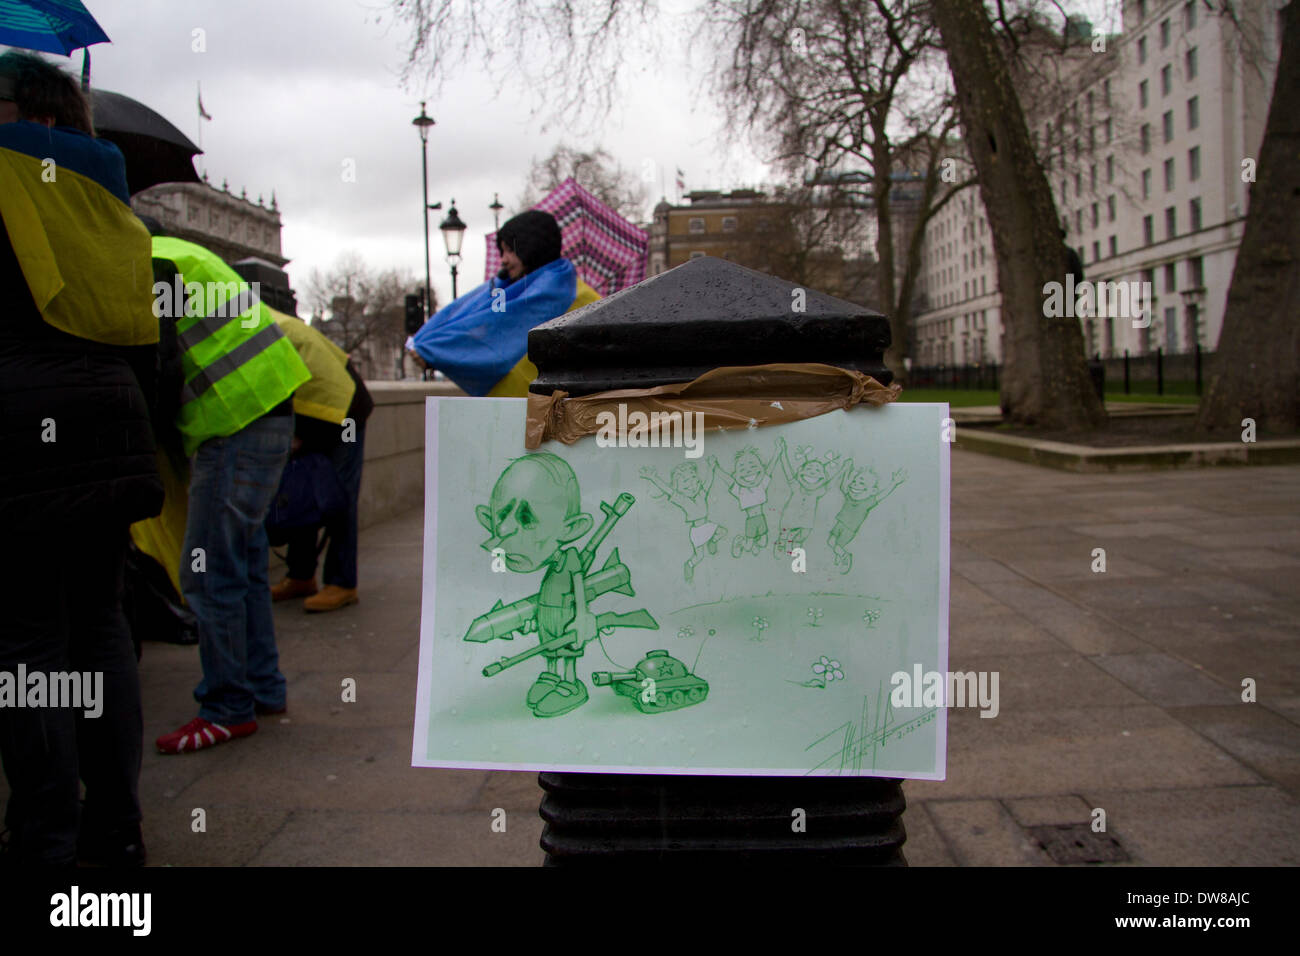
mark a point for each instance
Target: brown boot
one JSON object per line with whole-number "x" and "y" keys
{"x": 331, "y": 598}
{"x": 291, "y": 588}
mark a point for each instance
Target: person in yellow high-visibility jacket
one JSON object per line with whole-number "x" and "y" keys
{"x": 330, "y": 413}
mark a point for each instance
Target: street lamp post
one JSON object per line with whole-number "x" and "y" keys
{"x": 496, "y": 208}
{"x": 453, "y": 234}
{"x": 423, "y": 122}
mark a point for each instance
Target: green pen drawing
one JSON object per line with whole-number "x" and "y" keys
{"x": 824, "y": 672}
{"x": 690, "y": 493}
{"x": 858, "y": 743}
{"x": 860, "y": 496}
{"x": 658, "y": 656}
{"x": 809, "y": 480}
{"x": 535, "y": 511}
{"x": 748, "y": 482}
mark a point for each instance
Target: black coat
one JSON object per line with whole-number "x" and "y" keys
{"x": 93, "y": 400}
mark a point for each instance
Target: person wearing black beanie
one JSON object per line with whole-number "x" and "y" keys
{"x": 527, "y": 242}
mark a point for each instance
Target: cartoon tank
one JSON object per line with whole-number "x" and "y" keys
{"x": 658, "y": 684}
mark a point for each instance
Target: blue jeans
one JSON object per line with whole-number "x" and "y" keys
{"x": 341, "y": 555}
{"x": 232, "y": 483}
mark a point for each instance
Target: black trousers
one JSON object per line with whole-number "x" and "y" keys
{"x": 61, "y": 611}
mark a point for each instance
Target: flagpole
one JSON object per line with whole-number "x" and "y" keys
{"x": 198, "y": 106}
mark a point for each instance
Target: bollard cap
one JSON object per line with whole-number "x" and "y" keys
{"x": 701, "y": 315}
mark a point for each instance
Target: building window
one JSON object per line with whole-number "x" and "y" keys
{"x": 1078, "y": 185}
{"x": 1110, "y": 208}
{"x": 1110, "y": 131}
{"x": 1092, "y": 138}
{"x": 1196, "y": 272}
{"x": 1148, "y": 231}
{"x": 1110, "y": 169}
{"x": 1095, "y": 220}
{"x": 1142, "y": 10}
{"x": 1189, "y": 15}
{"x": 1114, "y": 246}
{"x": 1105, "y": 93}
{"x": 983, "y": 285}
{"x": 1171, "y": 222}
{"x": 1142, "y": 50}
{"x": 1092, "y": 177}
{"x": 1169, "y": 175}
{"x": 728, "y": 224}
{"x": 1096, "y": 250}
{"x": 1142, "y": 94}
{"x": 1169, "y": 126}
{"x": 1078, "y": 220}
{"x": 696, "y": 225}
{"x": 1171, "y": 278}
{"x": 1196, "y": 215}
{"x": 1164, "y": 33}
{"x": 1191, "y": 63}
{"x": 1171, "y": 329}
{"x": 1146, "y": 138}
{"x": 1166, "y": 79}
{"x": 1194, "y": 164}
{"x": 1146, "y": 184}
{"x": 1076, "y": 147}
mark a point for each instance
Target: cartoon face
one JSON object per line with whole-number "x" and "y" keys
{"x": 686, "y": 480}
{"x": 811, "y": 473}
{"x": 749, "y": 470}
{"x": 528, "y": 516}
{"x": 860, "y": 485}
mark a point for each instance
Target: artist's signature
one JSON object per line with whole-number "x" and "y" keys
{"x": 859, "y": 742}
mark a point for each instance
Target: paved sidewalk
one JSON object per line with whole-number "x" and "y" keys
{"x": 1119, "y": 691}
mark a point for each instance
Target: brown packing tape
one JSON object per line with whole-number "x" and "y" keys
{"x": 799, "y": 390}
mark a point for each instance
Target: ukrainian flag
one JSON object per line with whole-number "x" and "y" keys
{"x": 480, "y": 341}
{"x": 84, "y": 254}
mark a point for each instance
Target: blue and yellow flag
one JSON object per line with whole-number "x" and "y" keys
{"x": 84, "y": 254}
{"x": 480, "y": 341}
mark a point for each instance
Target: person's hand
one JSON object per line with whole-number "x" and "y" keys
{"x": 418, "y": 360}
{"x": 295, "y": 446}
{"x": 584, "y": 625}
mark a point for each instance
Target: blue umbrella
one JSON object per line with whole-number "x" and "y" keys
{"x": 54, "y": 26}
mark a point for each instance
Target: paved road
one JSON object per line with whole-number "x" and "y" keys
{"x": 1119, "y": 690}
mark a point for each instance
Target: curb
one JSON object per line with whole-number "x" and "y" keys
{"x": 1087, "y": 459}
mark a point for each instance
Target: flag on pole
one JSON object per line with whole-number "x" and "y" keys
{"x": 681, "y": 180}
{"x": 203, "y": 114}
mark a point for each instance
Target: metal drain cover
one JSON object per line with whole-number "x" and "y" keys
{"x": 1077, "y": 843}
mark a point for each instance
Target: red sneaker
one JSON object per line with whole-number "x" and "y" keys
{"x": 200, "y": 733}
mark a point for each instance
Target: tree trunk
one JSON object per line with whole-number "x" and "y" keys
{"x": 882, "y": 173}
{"x": 1045, "y": 379}
{"x": 1257, "y": 366}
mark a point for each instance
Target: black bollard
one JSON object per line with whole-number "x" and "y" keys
{"x": 702, "y": 315}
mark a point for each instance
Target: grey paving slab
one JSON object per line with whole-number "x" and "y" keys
{"x": 1204, "y": 826}
{"x": 1165, "y": 680}
{"x": 983, "y": 833}
{"x": 1050, "y": 811}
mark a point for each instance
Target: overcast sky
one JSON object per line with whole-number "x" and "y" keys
{"x": 296, "y": 87}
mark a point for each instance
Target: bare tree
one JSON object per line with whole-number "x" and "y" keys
{"x": 362, "y": 310}
{"x": 1045, "y": 379}
{"x": 854, "y": 88}
{"x": 596, "y": 171}
{"x": 1258, "y": 358}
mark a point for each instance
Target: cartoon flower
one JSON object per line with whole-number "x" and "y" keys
{"x": 816, "y": 614}
{"x": 828, "y": 670}
{"x": 685, "y": 632}
{"x": 760, "y": 625}
{"x": 870, "y": 616}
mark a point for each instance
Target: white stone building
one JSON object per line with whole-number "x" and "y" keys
{"x": 1144, "y": 146}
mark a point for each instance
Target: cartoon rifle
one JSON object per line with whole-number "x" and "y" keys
{"x": 640, "y": 618}
{"x": 504, "y": 619}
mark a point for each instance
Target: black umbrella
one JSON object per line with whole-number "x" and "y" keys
{"x": 155, "y": 150}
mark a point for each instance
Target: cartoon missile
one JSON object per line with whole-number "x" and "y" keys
{"x": 504, "y": 619}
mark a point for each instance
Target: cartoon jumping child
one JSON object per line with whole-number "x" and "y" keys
{"x": 860, "y": 496}
{"x": 809, "y": 481}
{"x": 748, "y": 483}
{"x": 533, "y": 514}
{"x": 690, "y": 494}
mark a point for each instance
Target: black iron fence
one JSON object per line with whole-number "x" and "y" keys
{"x": 1178, "y": 373}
